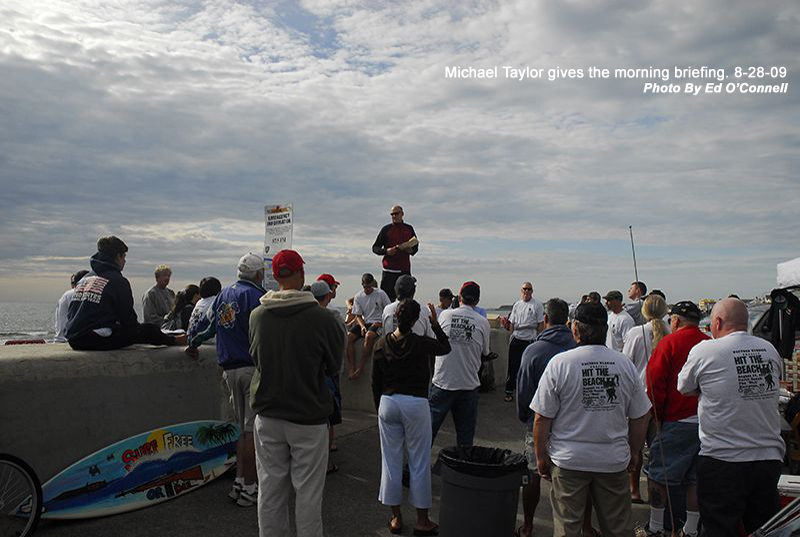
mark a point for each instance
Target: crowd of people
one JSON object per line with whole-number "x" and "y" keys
{"x": 593, "y": 385}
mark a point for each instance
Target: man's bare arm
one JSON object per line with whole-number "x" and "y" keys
{"x": 541, "y": 434}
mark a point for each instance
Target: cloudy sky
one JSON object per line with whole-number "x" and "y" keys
{"x": 171, "y": 123}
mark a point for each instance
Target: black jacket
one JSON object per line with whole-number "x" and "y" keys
{"x": 103, "y": 299}
{"x": 402, "y": 366}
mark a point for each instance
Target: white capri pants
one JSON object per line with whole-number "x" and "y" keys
{"x": 405, "y": 420}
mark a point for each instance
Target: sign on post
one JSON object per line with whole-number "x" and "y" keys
{"x": 278, "y": 225}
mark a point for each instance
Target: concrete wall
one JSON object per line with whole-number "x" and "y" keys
{"x": 58, "y": 405}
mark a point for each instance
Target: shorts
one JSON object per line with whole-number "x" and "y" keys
{"x": 238, "y": 381}
{"x": 356, "y": 329}
{"x": 530, "y": 452}
{"x": 679, "y": 444}
{"x": 332, "y": 382}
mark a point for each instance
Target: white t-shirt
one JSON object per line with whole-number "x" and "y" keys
{"x": 370, "y": 306}
{"x": 422, "y": 327}
{"x": 618, "y": 326}
{"x": 737, "y": 378}
{"x": 61, "y": 315}
{"x": 590, "y": 393}
{"x": 639, "y": 347}
{"x": 526, "y": 316}
{"x": 469, "y": 339}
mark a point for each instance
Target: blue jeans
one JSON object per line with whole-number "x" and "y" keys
{"x": 463, "y": 403}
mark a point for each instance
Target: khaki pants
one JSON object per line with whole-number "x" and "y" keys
{"x": 610, "y": 495}
{"x": 289, "y": 456}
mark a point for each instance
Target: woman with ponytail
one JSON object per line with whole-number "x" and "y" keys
{"x": 400, "y": 380}
{"x": 640, "y": 341}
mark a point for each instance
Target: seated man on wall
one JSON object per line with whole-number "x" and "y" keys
{"x": 101, "y": 315}
{"x": 159, "y": 299}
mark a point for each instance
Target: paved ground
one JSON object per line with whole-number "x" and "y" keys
{"x": 350, "y": 507}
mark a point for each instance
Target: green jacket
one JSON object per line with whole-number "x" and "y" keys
{"x": 294, "y": 343}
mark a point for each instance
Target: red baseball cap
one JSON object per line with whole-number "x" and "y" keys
{"x": 328, "y": 278}
{"x": 286, "y": 263}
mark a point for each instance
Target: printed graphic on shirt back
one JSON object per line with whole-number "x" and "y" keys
{"x": 462, "y": 330}
{"x": 757, "y": 377}
{"x": 227, "y": 314}
{"x": 600, "y": 384}
{"x": 90, "y": 289}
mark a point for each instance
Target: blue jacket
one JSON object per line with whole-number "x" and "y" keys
{"x": 229, "y": 320}
{"x": 537, "y": 355}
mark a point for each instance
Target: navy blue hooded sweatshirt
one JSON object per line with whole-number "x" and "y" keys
{"x": 537, "y": 355}
{"x": 103, "y": 299}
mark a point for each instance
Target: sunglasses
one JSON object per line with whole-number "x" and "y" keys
{"x": 527, "y": 288}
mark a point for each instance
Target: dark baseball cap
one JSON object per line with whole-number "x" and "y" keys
{"x": 470, "y": 289}
{"x": 613, "y": 295}
{"x": 591, "y": 313}
{"x": 405, "y": 285}
{"x": 688, "y": 309}
{"x": 446, "y": 293}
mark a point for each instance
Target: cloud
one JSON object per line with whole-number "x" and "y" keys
{"x": 174, "y": 123}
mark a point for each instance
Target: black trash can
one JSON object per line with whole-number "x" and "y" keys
{"x": 480, "y": 491}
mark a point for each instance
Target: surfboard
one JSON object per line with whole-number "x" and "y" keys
{"x": 143, "y": 470}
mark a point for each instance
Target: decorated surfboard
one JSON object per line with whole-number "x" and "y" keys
{"x": 142, "y": 470}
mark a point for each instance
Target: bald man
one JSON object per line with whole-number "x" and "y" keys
{"x": 741, "y": 451}
{"x": 392, "y": 245}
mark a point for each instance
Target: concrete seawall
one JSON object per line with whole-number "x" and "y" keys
{"x": 58, "y": 405}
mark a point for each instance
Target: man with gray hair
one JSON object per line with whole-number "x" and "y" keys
{"x": 525, "y": 322}
{"x": 555, "y": 338}
{"x": 158, "y": 300}
{"x": 591, "y": 419}
{"x": 229, "y": 320}
{"x": 674, "y": 449}
{"x": 741, "y": 450}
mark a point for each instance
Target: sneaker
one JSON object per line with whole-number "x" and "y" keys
{"x": 247, "y": 499}
{"x": 682, "y": 533}
{"x": 236, "y": 490}
{"x": 644, "y": 531}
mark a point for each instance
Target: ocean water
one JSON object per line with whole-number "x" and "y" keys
{"x": 31, "y": 320}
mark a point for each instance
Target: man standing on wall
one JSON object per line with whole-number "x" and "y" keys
{"x": 396, "y": 242}
{"x": 525, "y": 322}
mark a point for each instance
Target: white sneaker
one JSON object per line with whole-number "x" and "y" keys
{"x": 247, "y": 499}
{"x": 236, "y": 490}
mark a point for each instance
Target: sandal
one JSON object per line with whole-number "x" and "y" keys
{"x": 396, "y": 530}
{"x": 432, "y": 531}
